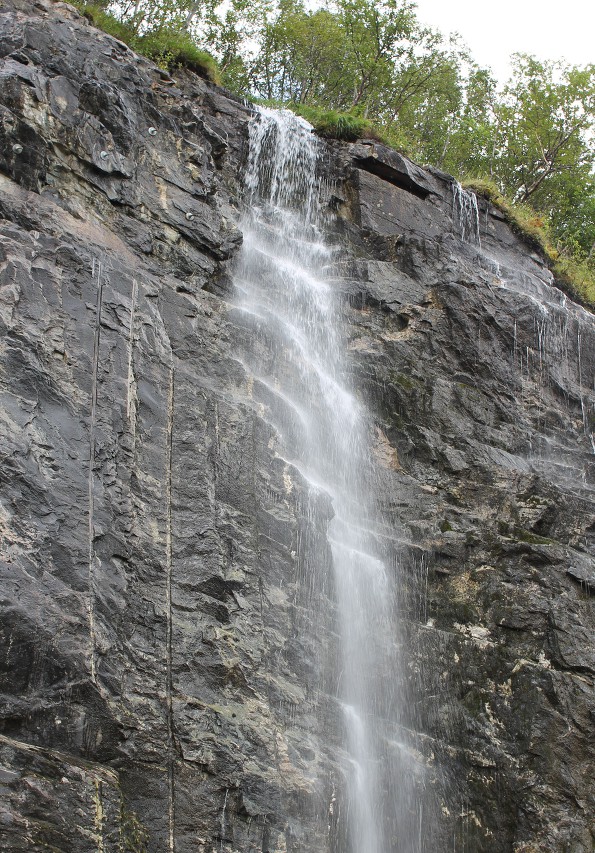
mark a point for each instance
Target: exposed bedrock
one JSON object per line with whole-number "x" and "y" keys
{"x": 168, "y": 659}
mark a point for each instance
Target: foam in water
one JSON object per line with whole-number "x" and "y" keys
{"x": 296, "y": 346}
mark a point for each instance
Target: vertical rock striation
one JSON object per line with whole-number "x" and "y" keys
{"x": 167, "y": 682}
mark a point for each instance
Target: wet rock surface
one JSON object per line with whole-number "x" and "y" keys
{"x": 168, "y": 655}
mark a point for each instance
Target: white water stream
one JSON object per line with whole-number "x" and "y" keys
{"x": 465, "y": 214}
{"x": 298, "y": 357}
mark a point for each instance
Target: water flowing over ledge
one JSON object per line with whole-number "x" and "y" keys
{"x": 465, "y": 214}
{"x": 298, "y": 349}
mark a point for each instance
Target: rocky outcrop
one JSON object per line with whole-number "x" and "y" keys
{"x": 167, "y": 681}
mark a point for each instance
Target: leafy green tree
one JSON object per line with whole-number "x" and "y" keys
{"x": 545, "y": 122}
{"x": 379, "y": 37}
{"x": 302, "y": 57}
{"x": 361, "y": 56}
{"x": 572, "y": 214}
{"x": 232, "y": 32}
{"x": 425, "y": 103}
{"x": 470, "y": 141}
{"x": 544, "y": 152}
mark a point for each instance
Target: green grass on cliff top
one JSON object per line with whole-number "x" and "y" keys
{"x": 168, "y": 48}
{"x": 332, "y": 124}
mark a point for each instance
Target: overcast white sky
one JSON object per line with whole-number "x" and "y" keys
{"x": 564, "y": 29}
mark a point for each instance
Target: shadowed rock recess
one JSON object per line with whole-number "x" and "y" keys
{"x": 169, "y": 661}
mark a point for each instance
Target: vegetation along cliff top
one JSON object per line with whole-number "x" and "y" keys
{"x": 360, "y": 68}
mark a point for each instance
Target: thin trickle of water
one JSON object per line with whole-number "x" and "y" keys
{"x": 465, "y": 214}
{"x": 223, "y": 819}
{"x": 294, "y": 344}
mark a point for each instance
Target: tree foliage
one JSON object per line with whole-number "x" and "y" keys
{"x": 544, "y": 127}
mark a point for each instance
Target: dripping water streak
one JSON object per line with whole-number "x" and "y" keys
{"x": 130, "y": 382}
{"x": 223, "y": 818}
{"x": 99, "y": 815}
{"x": 97, "y": 275}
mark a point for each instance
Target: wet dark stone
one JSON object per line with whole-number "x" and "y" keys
{"x": 168, "y": 653}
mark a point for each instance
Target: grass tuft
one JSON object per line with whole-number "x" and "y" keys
{"x": 107, "y": 22}
{"x": 172, "y": 49}
{"x": 332, "y": 124}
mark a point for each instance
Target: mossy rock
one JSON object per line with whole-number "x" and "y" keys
{"x": 529, "y": 537}
{"x": 404, "y": 381}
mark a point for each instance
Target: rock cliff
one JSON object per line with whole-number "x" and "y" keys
{"x": 167, "y": 682}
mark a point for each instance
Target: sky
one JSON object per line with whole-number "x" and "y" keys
{"x": 564, "y": 29}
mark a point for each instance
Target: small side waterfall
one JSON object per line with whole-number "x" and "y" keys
{"x": 297, "y": 355}
{"x": 465, "y": 214}
{"x": 552, "y": 348}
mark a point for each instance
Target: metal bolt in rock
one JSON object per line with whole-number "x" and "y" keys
{"x": 17, "y": 148}
{"x": 104, "y": 155}
{"x": 152, "y": 131}
{"x": 189, "y": 216}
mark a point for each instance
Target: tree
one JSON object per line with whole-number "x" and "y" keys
{"x": 426, "y": 101}
{"x": 543, "y": 144}
{"x": 302, "y": 57}
{"x": 544, "y": 121}
{"x": 369, "y": 58}
{"x": 470, "y": 143}
{"x": 378, "y": 37}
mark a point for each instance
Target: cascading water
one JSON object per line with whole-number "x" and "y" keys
{"x": 297, "y": 357}
{"x": 465, "y": 214}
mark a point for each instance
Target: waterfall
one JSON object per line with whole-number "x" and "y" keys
{"x": 554, "y": 332}
{"x": 465, "y": 214}
{"x": 297, "y": 357}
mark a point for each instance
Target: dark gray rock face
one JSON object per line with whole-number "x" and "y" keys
{"x": 167, "y": 652}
